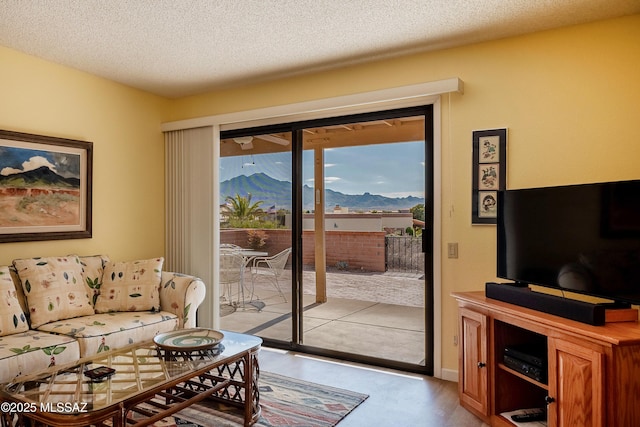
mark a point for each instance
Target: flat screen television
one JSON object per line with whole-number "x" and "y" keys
{"x": 579, "y": 238}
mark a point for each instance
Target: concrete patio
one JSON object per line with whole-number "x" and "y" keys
{"x": 373, "y": 314}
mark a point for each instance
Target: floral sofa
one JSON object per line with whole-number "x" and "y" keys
{"x": 56, "y": 310}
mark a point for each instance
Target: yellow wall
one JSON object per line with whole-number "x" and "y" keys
{"x": 124, "y": 125}
{"x": 569, "y": 98}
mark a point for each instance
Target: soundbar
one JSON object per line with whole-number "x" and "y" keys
{"x": 592, "y": 314}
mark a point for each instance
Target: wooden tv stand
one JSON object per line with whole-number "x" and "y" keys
{"x": 593, "y": 372}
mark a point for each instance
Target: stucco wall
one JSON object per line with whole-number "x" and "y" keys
{"x": 568, "y": 97}
{"x": 43, "y": 98}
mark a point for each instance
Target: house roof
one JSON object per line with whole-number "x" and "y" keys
{"x": 176, "y": 48}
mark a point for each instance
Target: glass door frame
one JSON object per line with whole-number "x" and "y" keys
{"x": 296, "y": 128}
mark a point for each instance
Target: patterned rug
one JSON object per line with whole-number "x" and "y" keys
{"x": 285, "y": 402}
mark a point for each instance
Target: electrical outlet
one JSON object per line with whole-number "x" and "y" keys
{"x": 455, "y": 340}
{"x": 452, "y": 250}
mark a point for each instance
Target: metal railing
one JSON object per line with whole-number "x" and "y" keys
{"x": 404, "y": 254}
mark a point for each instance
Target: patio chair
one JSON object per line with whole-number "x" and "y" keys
{"x": 232, "y": 270}
{"x": 272, "y": 268}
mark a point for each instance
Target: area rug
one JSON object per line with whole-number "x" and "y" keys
{"x": 285, "y": 401}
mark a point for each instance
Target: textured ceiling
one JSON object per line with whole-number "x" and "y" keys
{"x": 182, "y": 47}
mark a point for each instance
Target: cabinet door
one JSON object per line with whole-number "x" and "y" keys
{"x": 472, "y": 385}
{"x": 576, "y": 385}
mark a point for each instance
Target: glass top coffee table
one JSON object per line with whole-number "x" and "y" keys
{"x": 149, "y": 382}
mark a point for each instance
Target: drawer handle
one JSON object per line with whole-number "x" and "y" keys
{"x": 481, "y": 364}
{"x": 548, "y": 400}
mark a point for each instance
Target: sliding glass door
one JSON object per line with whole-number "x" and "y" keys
{"x": 351, "y": 198}
{"x": 256, "y": 217}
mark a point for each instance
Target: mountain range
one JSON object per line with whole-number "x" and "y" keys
{"x": 41, "y": 177}
{"x": 277, "y": 193}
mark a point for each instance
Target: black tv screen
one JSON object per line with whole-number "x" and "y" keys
{"x": 579, "y": 238}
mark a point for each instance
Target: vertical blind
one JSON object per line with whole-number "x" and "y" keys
{"x": 190, "y": 229}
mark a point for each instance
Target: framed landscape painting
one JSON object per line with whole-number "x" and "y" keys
{"x": 45, "y": 187}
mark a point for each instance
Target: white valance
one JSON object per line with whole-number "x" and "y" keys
{"x": 379, "y": 100}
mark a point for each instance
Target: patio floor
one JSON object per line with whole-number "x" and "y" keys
{"x": 373, "y": 314}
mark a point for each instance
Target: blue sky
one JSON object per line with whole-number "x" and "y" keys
{"x": 17, "y": 159}
{"x": 392, "y": 170}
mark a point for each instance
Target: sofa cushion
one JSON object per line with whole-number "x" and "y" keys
{"x": 130, "y": 286}
{"x": 92, "y": 271}
{"x": 12, "y": 317}
{"x": 33, "y": 351}
{"x": 54, "y": 288}
{"x": 108, "y": 331}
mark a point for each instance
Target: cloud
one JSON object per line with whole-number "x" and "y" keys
{"x": 66, "y": 165}
{"x": 330, "y": 179}
{"x": 29, "y": 165}
{"x": 403, "y": 194}
{"x": 9, "y": 171}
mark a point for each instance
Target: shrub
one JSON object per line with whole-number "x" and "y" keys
{"x": 256, "y": 239}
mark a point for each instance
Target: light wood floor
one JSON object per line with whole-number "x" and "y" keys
{"x": 395, "y": 398}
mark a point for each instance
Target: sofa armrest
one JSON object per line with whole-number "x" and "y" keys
{"x": 181, "y": 295}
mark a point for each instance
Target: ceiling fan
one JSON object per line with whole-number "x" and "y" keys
{"x": 246, "y": 142}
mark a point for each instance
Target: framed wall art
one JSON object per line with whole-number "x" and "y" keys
{"x": 489, "y": 173}
{"x": 45, "y": 187}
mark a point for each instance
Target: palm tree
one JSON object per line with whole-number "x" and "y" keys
{"x": 240, "y": 207}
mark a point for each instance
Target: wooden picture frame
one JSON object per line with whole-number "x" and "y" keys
{"x": 489, "y": 174}
{"x": 45, "y": 187}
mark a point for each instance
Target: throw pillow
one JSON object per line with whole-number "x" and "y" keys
{"x": 54, "y": 288}
{"x": 130, "y": 286}
{"x": 22, "y": 299}
{"x": 12, "y": 318}
{"x": 92, "y": 272}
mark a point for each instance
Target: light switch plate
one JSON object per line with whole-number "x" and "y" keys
{"x": 452, "y": 250}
